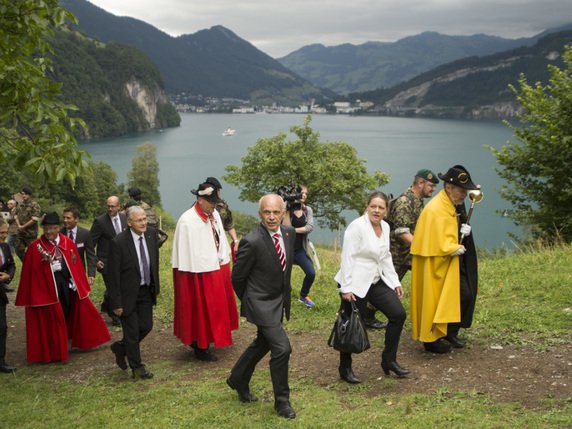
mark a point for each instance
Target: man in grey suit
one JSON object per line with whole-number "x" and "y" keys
{"x": 133, "y": 270}
{"x": 82, "y": 239}
{"x": 261, "y": 279}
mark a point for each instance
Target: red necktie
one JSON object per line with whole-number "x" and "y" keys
{"x": 279, "y": 250}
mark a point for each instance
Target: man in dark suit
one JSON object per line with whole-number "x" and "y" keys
{"x": 7, "y": 270}
{"x": 82, "y": 239}
{"x": 103, "y": 230}
{"x": 133, "y": 272}
{"x": 261, "y": 279}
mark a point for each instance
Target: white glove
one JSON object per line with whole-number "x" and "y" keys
{"x": 465, "y": 230}
{"x": 460, "y": 251}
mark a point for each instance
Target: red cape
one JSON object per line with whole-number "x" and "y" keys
{"x": 47, "y": 329}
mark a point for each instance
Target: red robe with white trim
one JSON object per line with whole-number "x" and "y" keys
{"x": 205, "y": 307}
{"x": 47, "y": 330}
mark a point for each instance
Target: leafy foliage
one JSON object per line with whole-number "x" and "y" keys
{"x": 336, "y": 178}
{"x": 537, "y": 170}
{"x": 144, "y": 173}
{"x": 34, "y": 123}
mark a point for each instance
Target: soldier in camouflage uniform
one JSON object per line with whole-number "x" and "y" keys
{"x": 27, "y": 216}
{"x": 402, "y": 217}
{"x": 135, "y": 194}
{"x": 225, "y": 214}
{"x": 403, "y": 214}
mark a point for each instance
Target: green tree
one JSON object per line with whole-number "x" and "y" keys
{"x": 538, "y": 169}
{"x": 34, "y": 122}
{"x": 144, "y": 173}
{"x": 337, "y": 179}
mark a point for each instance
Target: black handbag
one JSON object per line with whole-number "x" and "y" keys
{"x": 349, "y": 334}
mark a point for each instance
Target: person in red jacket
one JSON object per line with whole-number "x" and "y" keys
{"x": 55, "y": 291}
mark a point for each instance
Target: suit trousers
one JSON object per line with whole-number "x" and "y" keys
{"x": 384, "y": 299}
{"x": 275, "y": 340}
{"x": 3, "y": 332}
{"x": 136, "y": 326}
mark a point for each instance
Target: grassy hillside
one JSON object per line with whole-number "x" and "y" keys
{"x": 524, "y": 306}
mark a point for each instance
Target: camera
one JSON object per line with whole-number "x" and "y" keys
{"x": 291, "y": 194}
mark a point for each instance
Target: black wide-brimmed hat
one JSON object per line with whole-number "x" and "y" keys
{"x": 459, "y": 176}
{"x": 207, "y": 191}
{"x": 51, "y": 218}
{"x": 214, "y": 181}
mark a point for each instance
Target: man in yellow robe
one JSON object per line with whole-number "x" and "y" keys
{"x": 435, "y": 272}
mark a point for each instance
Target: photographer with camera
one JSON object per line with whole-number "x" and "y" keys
{"x": 301, "y": 217}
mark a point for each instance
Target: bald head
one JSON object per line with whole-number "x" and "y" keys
{"x": 271, "y": 211}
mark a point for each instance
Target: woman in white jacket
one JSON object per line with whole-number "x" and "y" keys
{"x": 367, "y": 274}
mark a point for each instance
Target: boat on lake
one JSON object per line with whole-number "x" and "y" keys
{"x": 229, "y": 132}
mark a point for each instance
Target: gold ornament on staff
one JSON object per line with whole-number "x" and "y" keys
{"x": 475, "y": 195}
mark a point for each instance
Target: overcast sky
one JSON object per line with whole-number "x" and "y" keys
{"x": 280, "y": 27}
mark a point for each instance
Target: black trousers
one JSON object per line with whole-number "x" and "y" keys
{"x": 3, "y": 332}
{"x": 466, "y": 302}
{"x": 136, "y": 326}
{"x": 384, "y": 299}
{"x": 275, "y": 340}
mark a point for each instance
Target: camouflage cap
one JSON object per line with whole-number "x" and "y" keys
{"x": 427, "y": 175}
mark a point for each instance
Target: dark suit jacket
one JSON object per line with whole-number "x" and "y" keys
{"x": 123, "y": 270}
{"x": 8, "y": 267}
{"x": 102, "y": 232}
{"x": 257, "y": 276}
{"x": 85, "y": 247}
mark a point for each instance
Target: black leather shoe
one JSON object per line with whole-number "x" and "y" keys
{"x": 205, "y": 355}
{"x": 394, "y": 367}
{"x": 284, "y": 409}
{"x": 244, "y": 394}
{"x": 142, "y": 373}
{"x": 455, "y": 341}
{"x": 8, "y": 289}
{"x": 374, "y": 324}
{"x": 439, "y": 346}
{"x": 348, "y": 375}
{"x": 115, "y": 320}
{"x": 119, "y": 353}
{"x": 6, "y": 369}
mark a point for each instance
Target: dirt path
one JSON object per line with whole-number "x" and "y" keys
{"x": 511, "y": 374}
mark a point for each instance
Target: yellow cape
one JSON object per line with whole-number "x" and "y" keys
{"x": 435, "y": 275}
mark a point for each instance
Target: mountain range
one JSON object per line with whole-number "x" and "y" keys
{"x": 354, "y": 68}
{"x": 474, "y": 87}
{"x": 218, "y": 63}
{"x": 212, "y": 63}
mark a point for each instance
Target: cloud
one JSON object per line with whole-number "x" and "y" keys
{"x": 280, "y": 27}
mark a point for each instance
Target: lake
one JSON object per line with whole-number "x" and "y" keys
{"x": 398, "y": 146}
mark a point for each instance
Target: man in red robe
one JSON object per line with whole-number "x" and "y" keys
{"x": 55, "y": 291}
{"x": 205, "y": 306}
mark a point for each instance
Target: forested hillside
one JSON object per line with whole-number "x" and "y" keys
{"x": 117, "y": 89}
{"x": 474, "y": 87}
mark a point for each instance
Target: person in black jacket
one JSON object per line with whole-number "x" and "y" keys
{"x": 7, "y": 270}
{"x": 82, "y": 239}
{"x": 133, "y": 270}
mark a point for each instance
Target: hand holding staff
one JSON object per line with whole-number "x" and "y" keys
{"x": 475, "y": 195}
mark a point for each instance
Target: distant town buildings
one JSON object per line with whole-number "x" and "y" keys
{"x": 199, "y": 104}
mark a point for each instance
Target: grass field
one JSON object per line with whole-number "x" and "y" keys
{"x": 524, "y": 304}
